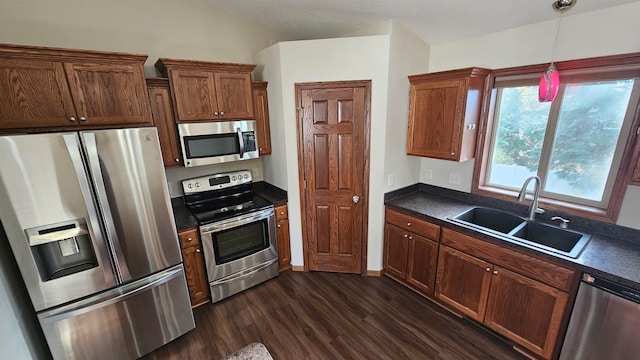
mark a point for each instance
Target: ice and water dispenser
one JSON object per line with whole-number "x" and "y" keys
{"x": 61, "y": 249}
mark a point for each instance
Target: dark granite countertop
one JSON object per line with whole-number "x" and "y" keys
{"x": 185, "y": 220}
{"x": 614, "y": 258}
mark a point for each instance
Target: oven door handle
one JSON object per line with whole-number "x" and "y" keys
{"x": 239, "y": 221}
{"x": 241, "y": 142}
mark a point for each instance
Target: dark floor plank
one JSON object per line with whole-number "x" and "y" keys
{"x": 333, "y": 316}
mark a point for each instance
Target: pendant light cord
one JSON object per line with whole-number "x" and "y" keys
{"x": 555, "y": 43}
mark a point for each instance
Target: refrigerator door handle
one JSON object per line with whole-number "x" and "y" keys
{"x": 110, "y": 297}
{"x": 73, "y": 147}
{"x": 95, "y": 171}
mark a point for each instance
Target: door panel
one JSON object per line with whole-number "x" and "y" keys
{"x": 127, "y": 169}
{"x": 333, "y": 157}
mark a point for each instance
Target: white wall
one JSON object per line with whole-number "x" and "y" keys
{"x": 358, "y": 58}
{"x": 387, "y": 60}
{"x": 186, "y": 29}
{"x": 605, "y": 32}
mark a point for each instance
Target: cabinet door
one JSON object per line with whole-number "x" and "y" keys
{"x": 109, "y": 93}
{"x": 435, "y": 119}
{"x": 423, "y": 258}
{"x": 284, "y": 246}
{"x": 463, "y": 282}
{"x": 195, "y": 271}
{"x": 396, "y": 246}
{"x": 162, "y": 112}
{"x": 194, "y": 95}
{"x": 526, "y": 311}
{"x": 261, "y": 108}
{"x": 34, "y": 93}
{"x": 233, "y": 94}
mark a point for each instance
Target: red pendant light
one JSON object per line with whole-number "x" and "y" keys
{"x": 550, "y": 79}
{"x": 549, "y": 84}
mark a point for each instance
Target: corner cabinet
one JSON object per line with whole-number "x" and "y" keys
{"x": 261, "y": 110}
{"x": 411, "y": 250}
{"x": 194, "y": 267}
{"x": 163, "y": 119}
{"x": 60, "y": 88}
{"x": 444, "y": 113}
{"x": 521, "y": 297}
{"x": 282, "y": 234}
{"x": 208, "y": 91}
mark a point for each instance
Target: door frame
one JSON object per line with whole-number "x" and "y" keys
{"x": 366, "y": 84}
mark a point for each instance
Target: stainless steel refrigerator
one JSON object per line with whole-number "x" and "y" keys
{"x": 89, "y": 221}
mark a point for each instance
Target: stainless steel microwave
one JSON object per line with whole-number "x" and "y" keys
{"x": 217, "y": 142}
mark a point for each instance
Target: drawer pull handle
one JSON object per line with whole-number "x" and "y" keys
{"x": 189, "y": 239}
{"x": 281, "y": 212}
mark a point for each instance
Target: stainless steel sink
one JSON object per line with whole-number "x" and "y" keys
{"x": 511, "y": 227}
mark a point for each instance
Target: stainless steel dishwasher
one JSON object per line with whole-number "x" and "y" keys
{"x": 604, "y": 323}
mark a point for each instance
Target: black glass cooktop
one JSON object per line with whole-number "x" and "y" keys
{"x": 216, "y": 205}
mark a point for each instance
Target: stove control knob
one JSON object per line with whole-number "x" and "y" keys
{"x": 233, "y": 178}
{"x": 197, "y": 184}
{"x": 190, "y": 186}
{"x": 246, "y": 176}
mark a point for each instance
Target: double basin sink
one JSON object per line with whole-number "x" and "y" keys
{"x": 510, "y": 227}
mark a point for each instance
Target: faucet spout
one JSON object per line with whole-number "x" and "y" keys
{"x": 533, "y": 208}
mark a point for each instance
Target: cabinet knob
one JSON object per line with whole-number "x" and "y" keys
{"x": 260, "y": 149}
{"x": 281, "y": 212}
{"x": 189, "y": 239}
{"x": 177, "y": 160}
{"x": 452, "y": 154}
{"x": 221, "y": 113}
{"x": 406, "y": 236}
{"x": 82, "y": 118}
{"x": 73, "y": 118}
{"x": 279, "y": 225}
{"x": 488, "y": 269}
{"x": 495, "y": 272}
{"x": 215, "y": 113}
{"x": 197, "y": 250}
{"x": 408, "y": 224}
{"x": 410, "y": 237}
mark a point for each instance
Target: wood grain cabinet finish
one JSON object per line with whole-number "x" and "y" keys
{"x": 59, "y": 88}
{"x": 163, "y": 119}
{"x": 208, "y": 91}
{"x": 411, "y": 250}
{"x": 194, "y": 267}
{"x": 444, "y": 112}
{"x": 261, "y": 110}
{"x": 282, "y": 234}
{"x": 519, "y": 296}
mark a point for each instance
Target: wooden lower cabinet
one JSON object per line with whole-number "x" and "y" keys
{"x": 282, "y": 234}
{"x": 194, "y": 267}
{"x": 409, "y": 256}
{"x": 463, "y": 282}
{"x": 526, "y": 311}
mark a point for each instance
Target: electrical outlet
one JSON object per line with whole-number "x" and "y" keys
{"x": 390, "y": 180}
{"x": 428, "y": 174}
{"x": 254, "y": 172}
{"x": 454, "y": 178}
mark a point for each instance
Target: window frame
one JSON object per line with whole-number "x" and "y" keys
{"x": 630, "y": 140}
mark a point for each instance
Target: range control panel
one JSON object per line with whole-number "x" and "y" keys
{"x": 216, "y": 181}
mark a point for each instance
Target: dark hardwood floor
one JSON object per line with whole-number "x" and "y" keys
{"x": 333, "y": 316}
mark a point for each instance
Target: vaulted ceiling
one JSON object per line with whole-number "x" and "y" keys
{"x": 435, "y": 21}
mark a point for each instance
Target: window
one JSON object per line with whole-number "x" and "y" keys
{"x": 574, "y": 144}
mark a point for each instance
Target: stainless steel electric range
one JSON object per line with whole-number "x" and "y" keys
{"x": 237, "y": 230}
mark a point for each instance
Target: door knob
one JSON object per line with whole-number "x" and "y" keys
{"x": 355, "y": 199}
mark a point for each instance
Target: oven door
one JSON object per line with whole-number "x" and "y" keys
{"x": 239, "y": 243}
{"x": 217, "y": 142}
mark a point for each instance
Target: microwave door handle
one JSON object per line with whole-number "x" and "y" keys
{"x": 241, "y": 142}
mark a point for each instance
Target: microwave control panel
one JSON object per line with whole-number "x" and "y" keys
{"x": 249, "y": 138}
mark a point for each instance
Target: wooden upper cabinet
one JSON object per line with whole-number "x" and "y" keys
{"x": 261, "y": 110}
{"x": 444, "y": 112}
{"x": 43, "y": 87}
{"x": 163, "y": 119}
{"x": 207, "y": 91}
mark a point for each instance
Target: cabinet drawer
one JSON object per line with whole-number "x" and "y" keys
{"x": 415, "y": 225}
{"x": 524, "y": 264}
{"x": 189, "y": 238}
{"x": 281, "y": 212}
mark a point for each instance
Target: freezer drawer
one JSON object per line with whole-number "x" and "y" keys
{"x": 124, "y": 323}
